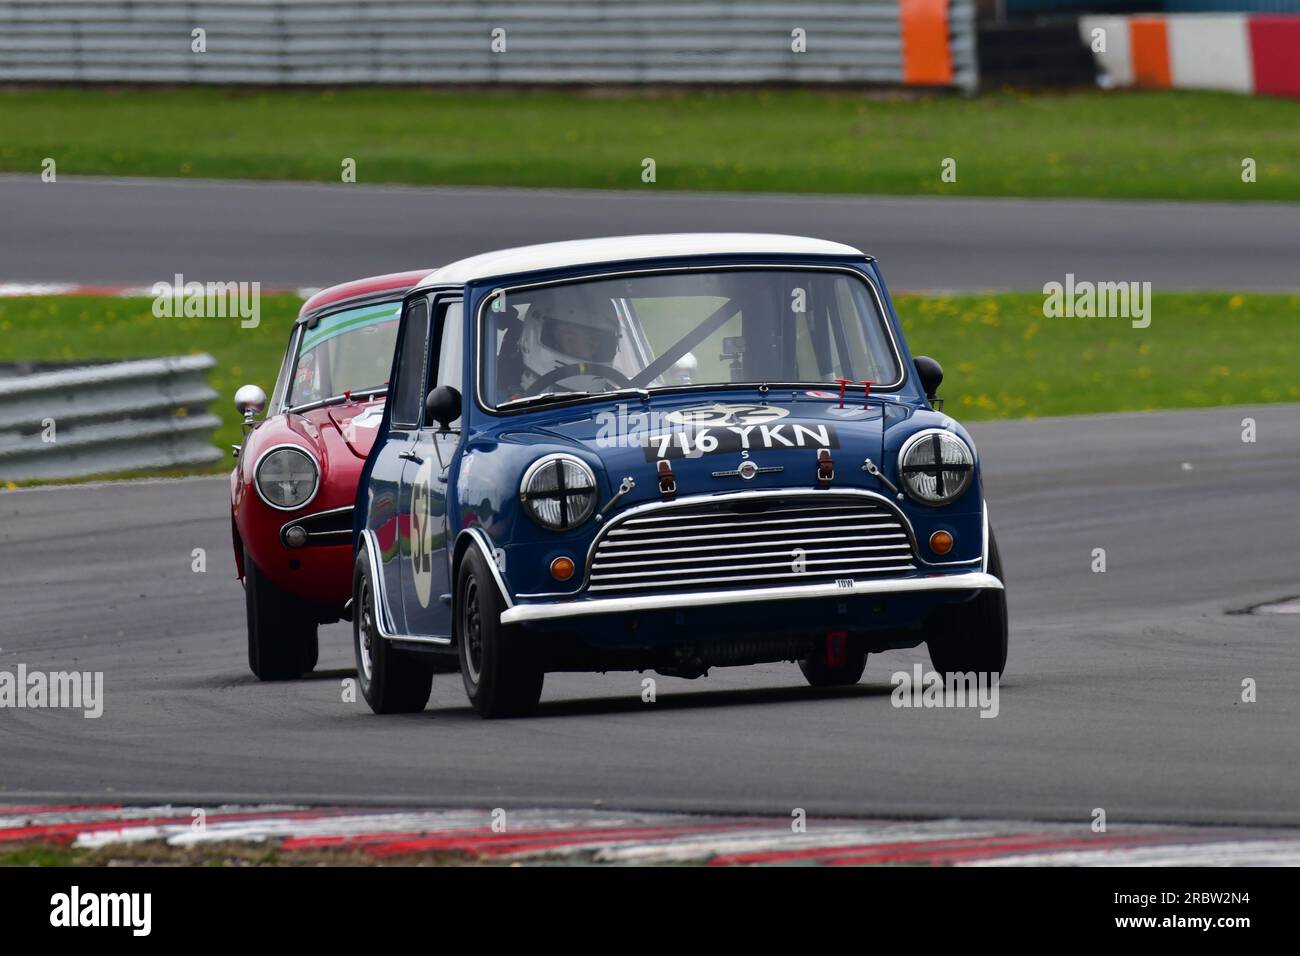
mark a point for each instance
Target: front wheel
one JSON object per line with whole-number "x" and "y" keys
{"x": 971, "y": 638}
{"x": 392, "y": 681}
{"x": 282, "y": 641}
{"x": 498, "y": 665}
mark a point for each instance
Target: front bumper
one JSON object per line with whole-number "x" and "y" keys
{"x": 560, "y": 610}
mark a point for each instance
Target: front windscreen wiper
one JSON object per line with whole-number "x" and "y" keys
{"x": 540, "y": 398}
{"x": 641, "y": 393}
{"x": 337, "y": 399}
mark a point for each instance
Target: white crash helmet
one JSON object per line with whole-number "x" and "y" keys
{"x": 568, "y": 326}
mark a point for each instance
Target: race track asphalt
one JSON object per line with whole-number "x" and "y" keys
{"x": 138, "y": 232}
{"x": 1123, "y": 691}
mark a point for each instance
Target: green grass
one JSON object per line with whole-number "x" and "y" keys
{"x": 226, "y": 854}
{"x": 73, "y": 328}
{"x": 1172, "y": 145}
{"x": 1002, "y": 358}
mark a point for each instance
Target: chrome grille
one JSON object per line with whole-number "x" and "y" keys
{"x": 735, "y": 543}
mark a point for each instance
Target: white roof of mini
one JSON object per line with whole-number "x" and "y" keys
{"x": 560, "y": 255}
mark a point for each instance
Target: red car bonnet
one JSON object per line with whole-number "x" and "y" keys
{"x": 358, "y": 424}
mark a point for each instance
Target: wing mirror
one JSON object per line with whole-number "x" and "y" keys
{"x": 250, "y": 401}
{"x": 931, "y": 373}
{"x": 442, "y": 406}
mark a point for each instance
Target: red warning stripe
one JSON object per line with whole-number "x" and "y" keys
{"x": 932, "y": 851}
{"x": 1274, "y": 49}
{"x": 484, "y": 842}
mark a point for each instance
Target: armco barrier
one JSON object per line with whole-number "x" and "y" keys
{"x": 927, "y": 42}
{"x": 1236, "y": 52}
{"x": 107, "y": 418}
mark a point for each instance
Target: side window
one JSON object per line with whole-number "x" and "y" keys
{"x": 408, "y": 399}
{"x": 451, "y": 344}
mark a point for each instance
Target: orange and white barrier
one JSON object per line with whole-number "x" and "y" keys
{"x": 1235, "y": 52}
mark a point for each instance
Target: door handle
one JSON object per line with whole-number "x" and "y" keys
{"x": 411, "y": 456}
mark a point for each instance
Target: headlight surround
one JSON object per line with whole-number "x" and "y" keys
{"x": 558, "y": 492}
{"x": 920, "y": 477}
{"x": 286, "y": 477}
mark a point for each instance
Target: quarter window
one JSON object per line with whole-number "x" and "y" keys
{"x": 450, "y": 349}
{"x": 409, "y": 397}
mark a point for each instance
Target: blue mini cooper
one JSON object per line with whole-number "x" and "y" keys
{"x": 663, "y": 453}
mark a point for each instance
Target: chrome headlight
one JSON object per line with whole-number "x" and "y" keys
{"x": 286, "y": 477}
{"x": 936, "y": 467}
{"x": 558, "y": 492}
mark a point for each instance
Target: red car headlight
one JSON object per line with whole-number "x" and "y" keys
{"x": 286, "y": 477}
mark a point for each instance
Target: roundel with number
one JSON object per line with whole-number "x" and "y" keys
{"x": 422, "y": 533}
{"x": 727, "y": 414}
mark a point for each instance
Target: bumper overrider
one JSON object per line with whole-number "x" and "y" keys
{"x": 753, "y": 548}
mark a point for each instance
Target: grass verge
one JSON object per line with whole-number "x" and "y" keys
{"x": 1167, "y": 145}
{"x": 1002, "y": 357}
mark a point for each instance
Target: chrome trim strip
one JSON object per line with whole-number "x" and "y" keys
{"x": 881, "y": 313}
{"x": 730, "y": 535}
{"x": 747, "y": 495}
{"x": 600, "y": 584}
{"x": 386, "y": 629}
{"x": 257, "y": 484}
{"x": 480, "y": 538}
{"x": 731, "y": 557}
{"x": 965, "y": 581}
{"x": 317, "y": 514}
{"x": 984, "y": 561}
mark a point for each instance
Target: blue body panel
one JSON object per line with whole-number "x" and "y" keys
{"x": 475, "y": 482}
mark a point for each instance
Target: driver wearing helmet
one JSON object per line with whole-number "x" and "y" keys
{"x": 569, "y": 343}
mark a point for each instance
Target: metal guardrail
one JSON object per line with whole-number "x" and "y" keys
{"x": 107, "y": 418}
{"x": 404, "y": 41}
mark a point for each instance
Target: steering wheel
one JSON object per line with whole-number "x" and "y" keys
{"x": 610, "y": 374}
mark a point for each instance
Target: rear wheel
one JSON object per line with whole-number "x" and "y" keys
{"x": 282, "y": 641}
{"x": 971, "y": 637}
{"x": 392, "y": 681}
{"x": 498, "y": 664}
{"x": 834, "y": 662}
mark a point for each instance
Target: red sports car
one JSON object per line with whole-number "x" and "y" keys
{"x": 292, "y": 491}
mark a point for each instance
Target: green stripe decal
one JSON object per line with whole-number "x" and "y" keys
{"x": 347, "y": 322}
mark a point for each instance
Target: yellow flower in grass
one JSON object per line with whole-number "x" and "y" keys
{"x": 1236, "y": 302}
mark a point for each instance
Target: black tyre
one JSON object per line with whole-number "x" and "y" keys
{"x": 392, "y": 681}
{"x": 971, "y": 638}
{"x": 281, "y": 628}
{"x": 499, "y": 665}
{"x": 846, "y": 668}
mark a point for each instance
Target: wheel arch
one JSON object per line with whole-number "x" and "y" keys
{"x": 476, "y": 538}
